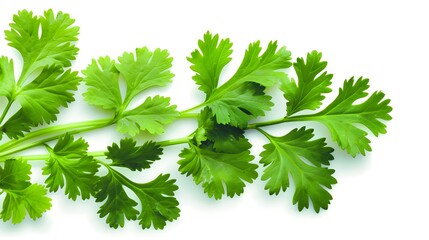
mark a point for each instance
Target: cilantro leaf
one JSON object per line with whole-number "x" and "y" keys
{"x": 144, "y": 70}
{"x": 241, "y": 104}
{"x": 41, "y": 99}
{"x": 234, "y": 101}
{"x": 69, "y": 166}
{"x": 213, "y": 55}
{"x": 151, "y": 115}
{"x": 283, "y": 156}
{"x": 128, "y": 155}
{"x": 7, "y": 77}
{"x": 157, "y": 201}
{"x": 22, "y": 197}
{"x": 15, "y": 175}
{"x": 31, "y": 200}
{"x": 53, "y": 47}
{"x": 117, "y": 206}
{"x": 343, "y": 116}
{"x": 312, "y": 84}
{"x": 102, "y": 80}
{"x": 16, "y": 125}
{"x": 225, "y": 138}
{"x": 218, "y": 172}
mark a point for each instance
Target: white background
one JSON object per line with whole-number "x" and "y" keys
{"x": 381, "y": 196}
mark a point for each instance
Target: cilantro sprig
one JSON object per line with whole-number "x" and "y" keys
{"x": 217, "y": 154}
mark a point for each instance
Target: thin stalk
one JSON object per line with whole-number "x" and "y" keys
{"x": 188, "y": 115}
{"x": 42, "y": 157}
{"x": 193, "y": 108}
{"x": 176, "y": 141}
{"x": 51, "y": 133}
{"x": 281, "y": 120}
{"x": 6, "y": 110}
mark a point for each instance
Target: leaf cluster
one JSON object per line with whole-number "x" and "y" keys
{"x": 218, "y": 152}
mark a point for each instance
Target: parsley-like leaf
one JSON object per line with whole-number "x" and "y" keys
{"x": 285, "y": 155}
{"x": 128, "y": 155}
{"x": 41, "y": 99}
{"x": 53, "y": 47}
{"x": 343, "y": 116}
{"x": 69, "y": 166}
{"x": 7, "y": 77}
{"x": 307, "y": 94}
{"x": 144, "y": 70}
{"x": 218, "y": 172}
{"x": 102, "y": 79}
{"x": 152, "y": 115}
{"x": 234, "y": 101}
{"x": 22, "y": 197}
{"x": 208, "y": 62}
{"x": 157, "y": 201}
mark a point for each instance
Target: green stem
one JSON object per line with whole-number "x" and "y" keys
{"x": 188, "y": 115}
{"x": 176, "y": 141}
{"x": 42, "y": 157}
{"x": 6, "y": 110}
{"x": 190, "y": 110}
{"x": 281, "y": 120}
{"x": 49, "y": 134}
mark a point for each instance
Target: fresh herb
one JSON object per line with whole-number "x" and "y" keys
{"x": 217, "y": 155}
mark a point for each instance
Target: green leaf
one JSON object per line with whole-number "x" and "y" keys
{"x": 102, "y": 80}
{"x": 241, "y": 97}
{"x": 69, "y": 166}
{"x": 117, "y": 206}
{"x": 312, "y": 84}
{"x": 225, "y": 138}
{"x": 7, "y": 77}
{"x": 22, "y": 197}
{"x": 17, "y": 125}
{"x": 15, "y": 175}
{"x": 344, "y": 117}
{"x": 128, "y": 155}
{"x": 18, "y": 203}
{"x": 218, "y": 172}
{"x": 156, "y": 198}
{"x": 241, "y": 104}
{"x": 152, "y": 115}
{"x": 145, "y": 70}
{"x": 42, "y": 98}
{"x": 209, "y": 60}
{"x": 43, "y": 41}
{"x": 296, "y": 155}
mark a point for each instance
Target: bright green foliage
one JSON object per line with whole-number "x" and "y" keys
{"x": 157, "y": 202}
{"x": 307, "y": 94}
{"x": 208, "y": 62}
{"x": 218, "y": 155}
{"x": 241, "y": 104}
{"x": 234, "y": 102}
{"x": 46, "y": 44}
{"x": 285, "y": 156}
{"x": 102, "y": 79}
{"x": 128, "y": 155}
{"x": 69, "y": 166}
{"x": 343, "y": 116}
{"x": 218, "y": 172}
{"x": 152, "y": 115}
{"x": 144, "y": 70}
{"x": 42, "y": 98}
{"x": 53, "y": 47}
{"x": 22, "y": 197}
{"x": 7, "y": 77}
